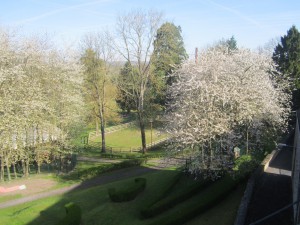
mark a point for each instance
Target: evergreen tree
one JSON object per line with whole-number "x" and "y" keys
{"x": 168, "y": 53}
{"x": 287, "y": 57}
{"x": 125, "y": 98}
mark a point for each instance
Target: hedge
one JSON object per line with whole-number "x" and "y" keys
{"x": 73, "y": 215}
{"x": 95, "y": 171}
{"x": 171, "y": 201}
{"x": 129, "y": 193}
{"x": 200, "y": 203}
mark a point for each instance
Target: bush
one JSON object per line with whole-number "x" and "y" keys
{"x": 171, "y": 201}
{"x": 73, "y": 216}
{"x": 95, "y": 171}
{"x": 202, "y": 202}
{"x": 244, "y": 166}
{"x": 129, "y": 193}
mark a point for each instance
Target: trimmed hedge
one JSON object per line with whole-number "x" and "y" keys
{"x": 202, "y": 202}
{"x": 95, "y": 171}
{"x": 129, "y": 193}
{"x": 73, "y": 216}
{"x": 171, "y": 201}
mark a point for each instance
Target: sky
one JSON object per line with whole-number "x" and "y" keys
{"x": 203, "y": 22}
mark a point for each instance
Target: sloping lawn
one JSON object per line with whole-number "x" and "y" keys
{"x": 98, "y": 209}
{"x": 129, "y": 138}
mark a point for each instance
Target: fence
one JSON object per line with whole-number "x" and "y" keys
{"x": 108, "y": 130}
{"x": 128, "y": 149}
{"x": 296, "y": 170}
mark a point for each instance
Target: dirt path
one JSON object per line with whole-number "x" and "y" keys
{"x": 103, "y": 179}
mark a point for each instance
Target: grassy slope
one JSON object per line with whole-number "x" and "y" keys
{"x": 130, "y": 137}
{"x": 98, "y": 209}
{"x": 95, "y": 203}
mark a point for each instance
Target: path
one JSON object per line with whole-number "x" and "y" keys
{"x": 102, "y": 179}
{"x": 273, "y": 191}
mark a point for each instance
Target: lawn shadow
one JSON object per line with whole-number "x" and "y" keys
{"x": 91, "y": 197}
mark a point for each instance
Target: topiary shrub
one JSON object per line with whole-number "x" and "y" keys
{"x": 73, "y": 216}
{"x": 95, "y": 171}
{"x": 129, "y": 193}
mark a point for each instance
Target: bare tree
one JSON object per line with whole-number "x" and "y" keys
{"x": 135, "y": 34}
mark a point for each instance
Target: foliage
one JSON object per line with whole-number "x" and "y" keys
{"x": 73, "y": 216}
{"x": 245, "y": 165}
{"x": 95, "y": 171}
{"x": 286, "y": 56}
{"x": 135, "y": 32}
{"x": 228, "y": 99}
{"x": 125, "y": 96}
{"x": 40, "y": 99}
{"x": 129, "y": 193}
{"x": 168, "y": 53}
{"x": 98, "y": 87}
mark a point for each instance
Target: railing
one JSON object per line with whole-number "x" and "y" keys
{"x": 128, "y": 149}
{"x": 108, "y": 130}
{"x": 296, "y": 170}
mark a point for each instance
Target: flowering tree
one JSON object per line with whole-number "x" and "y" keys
{"x": 39, "y": 99}
{"x": 228, "y": 99}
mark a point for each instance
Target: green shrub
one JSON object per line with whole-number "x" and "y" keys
{"x": 171, "y": 201}
{"x": 95, "y": 171}
{"x": 129, "y": 193}
{"x": 73, "y": 216}
{"x": 202, "y": 202}
{"x": 244, "y": 165}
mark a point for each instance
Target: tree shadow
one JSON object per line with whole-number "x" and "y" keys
{"x": 90, "y": 196}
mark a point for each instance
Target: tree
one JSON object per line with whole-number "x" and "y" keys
{"x": 287, "y": 57}
{"x": 39, "y": 99}
{"x": 97, "y": 60}
{"x": 125, "y": 99}
{"x": 169, "y": 52}
{"x": 228, "y": 99}
{"x": 135, "y": 34}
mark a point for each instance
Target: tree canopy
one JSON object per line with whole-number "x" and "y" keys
{"x": 287, "y": 57}
{"x": 168, "y": 53}
{"x": 228, "y": 99}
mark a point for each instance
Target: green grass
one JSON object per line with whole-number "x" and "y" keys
{"x": 98, "y": 209}
{"x": 225, "y": 211}
{"x": 129, "y": 138}
{"x": 94, "y": 202}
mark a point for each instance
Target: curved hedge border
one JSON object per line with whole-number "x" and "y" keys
{"x": 73, "y": 216}
{"x": 128, "y": 193}
{"x": 171, "y": 201}
{"x": 95, "y": 171}
{"x": 205, "y": 200}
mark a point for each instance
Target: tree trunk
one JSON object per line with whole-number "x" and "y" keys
{"x": 247, "y": 141}
{"x": 2, "y": 170}
{"x": 26, "y": 166}
{"x": 97, "y": 126}
{"x": 7, "y": 168}
{"x": 143, "y": 135}
{"x": 15, "y": 172}
{"x": 103, "y": 136}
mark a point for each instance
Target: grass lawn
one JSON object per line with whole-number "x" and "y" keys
{"x": 225, "y": 211}
{"x": 130, "y": 138}
{"x": 98, "y": 209}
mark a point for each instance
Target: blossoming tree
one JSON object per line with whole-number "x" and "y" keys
{"x": 227, "y": 99}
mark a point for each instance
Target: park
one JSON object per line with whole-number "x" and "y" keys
{"x": 128, "y": 128}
